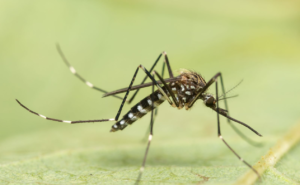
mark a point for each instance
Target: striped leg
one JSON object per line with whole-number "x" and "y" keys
{"x": 223, "y": 112}
{"x": 243, "y": 136}
{"x": 156, "y": 110}
{"x": 87, "y": 121}
{"x": 65, "y": 121}
{"x": 121, "y": 106}
{"x": 72, "y": 69}
{"x": 149, "y": 142}
{"x": 209, "y": 83}
{"x": 220, "y": 136}
{"x": 166, "y": 61}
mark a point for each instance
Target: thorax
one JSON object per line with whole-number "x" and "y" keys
{"x": 186, "y": 89}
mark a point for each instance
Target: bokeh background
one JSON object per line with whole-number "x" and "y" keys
{"x": 257, "y": 41}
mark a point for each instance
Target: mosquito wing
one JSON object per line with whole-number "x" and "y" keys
{"x": 168, "y": 80}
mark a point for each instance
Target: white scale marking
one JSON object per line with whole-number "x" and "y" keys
{"x": 140, "y": 108}
{"x": 188, "y": 92}
{"x": 134, "y": 118}
{"x": 122, "y": 122}
{"x": 149, "y": 102}
{"x": 174, "y": 89}
{"x": 115, "y": 126}
{"x": 206, "y": 98}
{"x": 112, "y": 119}
{"x": 193, "y": 87}
{"x": 187, "y": 87}
{"x": 184, "y": 99}
{"x": 72, "y": 70}
{"x": 130, "y": 115}
{"x": 43, "y": 116}
{"x": 182, "y": 88}
{"x": 89, "y": 84}
{"x": 67, "y": 121}
{"x": 150, "y": 137}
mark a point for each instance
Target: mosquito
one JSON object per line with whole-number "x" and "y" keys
{"x": 180, "y": 92}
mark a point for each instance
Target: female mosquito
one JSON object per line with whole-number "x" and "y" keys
{"x": 180, "y": 92}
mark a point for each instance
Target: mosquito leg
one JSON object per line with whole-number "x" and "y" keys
{"x": 135, "y": 93}
{"x": 149, "y": 142}
{"x": 121, "y": 106}
{"x": 168, "y": 65}
{"x": 211, "y": 81}
{"x": 156, "y": 110}
{"x": 72, "y": 69}
{"x": 220, "y": 136}
{"x": 171, "y": 76}
{"x": 162, "y": 75}
{"x": 243, "y": 136}
{"x": 88, "y": 121}
{"x": 224, "y": 94}
{"x": 166, "y": 61}
{"x": 169, "y": 89}
{"x": 223, "y": 112}
{"x": 152, "y": 116}
{"x": 157, "y": 85}
{"x": 65, "y": 121}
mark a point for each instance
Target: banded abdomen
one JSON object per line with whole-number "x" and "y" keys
{"x": 140, "y": 110}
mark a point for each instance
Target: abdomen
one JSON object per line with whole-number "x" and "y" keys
{"x": 139, "y": 110}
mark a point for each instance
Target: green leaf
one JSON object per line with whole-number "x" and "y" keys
{"x": 267, "y": 163}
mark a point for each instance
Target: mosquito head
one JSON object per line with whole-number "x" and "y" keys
{"x": 209, "y": 101}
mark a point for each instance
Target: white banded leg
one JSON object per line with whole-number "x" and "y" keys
{"x": 221, "y": 137}
{"x": 64, "y": 121}
{"x": 72, "y": 69}
{"x": 99, "y": 120}
{"x": 156, "y": 110}
{"x": 87, "y": 121}
{"x": 209, "y": 83}
{"x": 243, "y": 136}
{"x": 149, "y": 141}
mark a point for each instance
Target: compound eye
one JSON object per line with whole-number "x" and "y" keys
{"x": 209, "y": 100}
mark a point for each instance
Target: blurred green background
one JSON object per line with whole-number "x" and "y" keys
{"x": 257, "y": 41}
